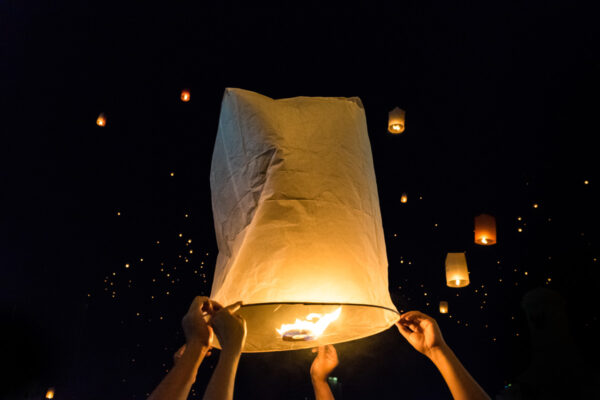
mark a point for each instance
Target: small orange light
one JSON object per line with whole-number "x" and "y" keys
{"x": 101, "y": 120}
{"x": 185, "y": 95}
{"x": 50, "y": 393}
{"x": 404, "y": 198}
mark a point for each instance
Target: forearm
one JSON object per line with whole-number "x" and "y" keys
{"x": 322, "y": 389}
{"x": 459, "y": 381}
{"x": 178, "y": 382}
{"x": 222, "y": 381}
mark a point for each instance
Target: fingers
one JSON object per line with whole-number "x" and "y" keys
{"x": 216, "y": 306}
{"x": 206, "y": 306}
{"x": 232, "y": 308}
{"x": 415, "y": 316}
{"x": 404, "y": 330}
{"x": 198, "y": 303}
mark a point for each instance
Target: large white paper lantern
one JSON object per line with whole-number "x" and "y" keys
{"x": 297, "y": 221}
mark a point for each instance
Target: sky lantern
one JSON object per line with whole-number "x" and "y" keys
{"x": 485, "y": 230}
{"x": 403, "y": 198}
{"x": 185, "y": 95}
{"x": 457, "y": 273}
{"x": 297, "y": 221}
{"x": 50, "y": 393}
{"x": 443, "y": 307}
{"x": 101, "y": 120}
{"x": 396, "y": 120}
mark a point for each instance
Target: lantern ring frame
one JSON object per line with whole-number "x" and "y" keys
{"x": 318, "y": 304}
{"x": 299, "y": 340}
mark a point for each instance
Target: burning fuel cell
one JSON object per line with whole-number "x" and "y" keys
{"x": 297, "y": 220}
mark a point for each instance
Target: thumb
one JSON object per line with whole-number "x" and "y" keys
{"x": 404, "y": 331}
{"x": 232, "y": 308}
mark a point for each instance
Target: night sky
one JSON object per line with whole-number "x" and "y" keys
{"x": 107, "y": 232}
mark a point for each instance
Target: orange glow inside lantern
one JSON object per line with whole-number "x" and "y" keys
{"x": 485, "y": 230}
{"x": 404, "y": 198}
{"x": 443, "y": 307}
{"x": 50, "y": 393}
{"x": 298, "y": 222}
{"x": 185, "y": 95}
{"x": 457, "y": 273}
{"x": 101, "y": 120}
{"x": 396, "y": 120}
{"x": 309, "y": 328}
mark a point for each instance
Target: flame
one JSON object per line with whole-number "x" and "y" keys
{"x": 50, "y": 393}
{"x": 185, "y": 95}
{"x": 396, "y": 127}
{"x": 311, "y": 328}
{"x": 484, "y": 240}
{"x": 457, "y": 282}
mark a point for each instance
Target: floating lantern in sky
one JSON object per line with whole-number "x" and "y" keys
{"x": 50, "y": 393}
{"x": 185, "y": 95}
{"x": 443, "y": 307}
{"x": 485, "y": 230}
{"x": 403, "y": 198}
{"x": 101, "y": 120}
{"x": 297, "y": 221}
{"x": 396, "y": 120}
{"x": 457, "y": 273}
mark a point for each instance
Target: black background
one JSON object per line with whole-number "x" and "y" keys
{"x": 501, "y": 102}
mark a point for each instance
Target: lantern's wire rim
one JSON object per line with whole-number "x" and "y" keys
{"x": 304, "y": 303}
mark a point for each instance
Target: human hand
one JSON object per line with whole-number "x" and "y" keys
{"x": 230, "y": 328}
{"x": 324, "y": 363}
{"x": 196, "y": 328}
{"x": 421, "y": 331}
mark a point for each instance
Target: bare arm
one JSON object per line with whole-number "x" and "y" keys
{"x": 424, "y": 334}
{"x": 178, "y": 382}
{"x": 322, "y": 366}
{"x": 231, "y": 332}
{"x": 461, "y": 383}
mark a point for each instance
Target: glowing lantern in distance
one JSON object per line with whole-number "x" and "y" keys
{"x": 485, "y": 230}
{"x": 185, "y": 95}
{"x": 457, "y": 273}
{"x": 297, "y": 221}
{"x": 404, "y": 198}
{"x": 50, "y": 393}
{"x": 101, "y": 120}
{"x": 443, "y": 307}
{"x": 396, "y": 120}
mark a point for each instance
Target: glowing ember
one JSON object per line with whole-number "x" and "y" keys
{"x": 310, "y": 328}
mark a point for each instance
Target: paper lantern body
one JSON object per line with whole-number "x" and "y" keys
{"x": 403, "y": 198}
{"x": 443, "y": 307}
{"x": 297, "y": 218}
{"x": 101, "y": 120}
{"x": 396, "y": 120}
{"x": 185, "y": 95}
{"x": 485, "y": 230}
{"x": 457, "y": 274}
